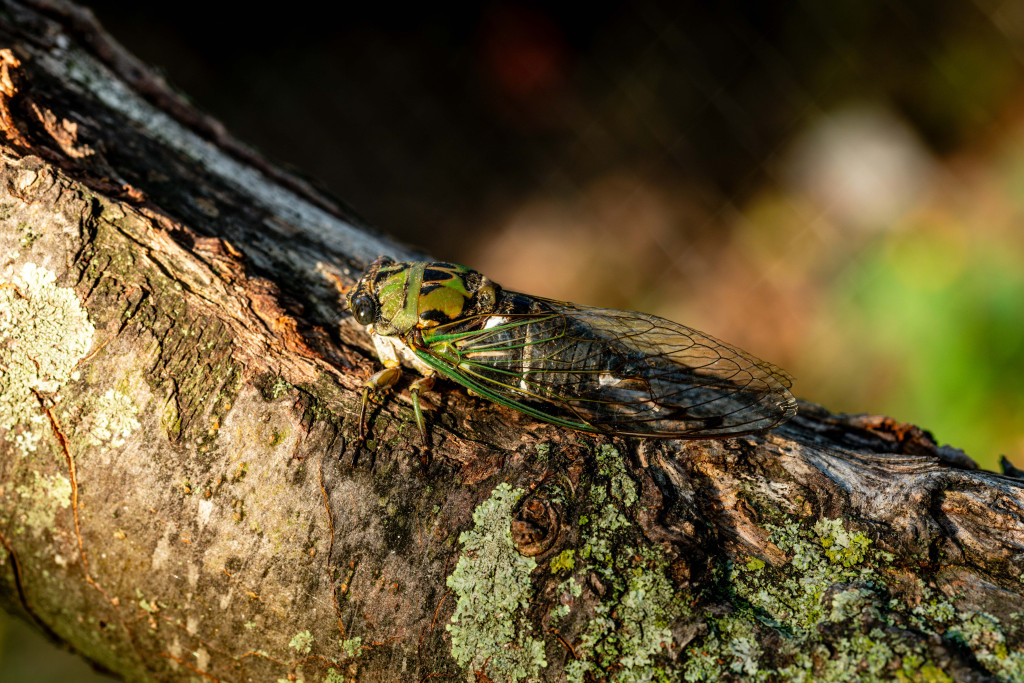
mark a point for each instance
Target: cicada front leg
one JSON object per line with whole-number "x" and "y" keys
{"x": 378, "y": 383}
{"x": 388, "y": 351}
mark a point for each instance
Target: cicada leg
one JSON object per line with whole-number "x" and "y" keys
{"x": 378, "y": 382}
{"x": 422, "y": 384}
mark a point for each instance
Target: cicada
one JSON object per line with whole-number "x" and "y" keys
{"x": 584, "y": 368}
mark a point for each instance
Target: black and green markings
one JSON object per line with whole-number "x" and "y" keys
{"x": 590, "y": 369}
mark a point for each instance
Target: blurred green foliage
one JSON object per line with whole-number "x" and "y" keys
{"x": 934, "y": 334}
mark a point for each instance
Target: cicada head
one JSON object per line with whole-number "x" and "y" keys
{"x": 396, "y": 297}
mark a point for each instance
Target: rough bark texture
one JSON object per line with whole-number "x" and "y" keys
{"x": 181, "y": 496}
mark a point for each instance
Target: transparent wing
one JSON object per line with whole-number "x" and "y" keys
{"x": 613, "y": 371}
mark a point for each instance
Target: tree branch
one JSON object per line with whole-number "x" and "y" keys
{"x": 183, "y": 495}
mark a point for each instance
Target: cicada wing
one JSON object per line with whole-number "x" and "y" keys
{"x": 619, "y": 372}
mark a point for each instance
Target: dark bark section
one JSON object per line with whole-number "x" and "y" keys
{"x": 185, "y": 498}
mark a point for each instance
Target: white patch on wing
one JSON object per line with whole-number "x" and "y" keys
{"x": 523, "y": 386}
{"x": 607, "y": 380}
{"x": 477, "y": 355}
{"x": 494, "y": 321}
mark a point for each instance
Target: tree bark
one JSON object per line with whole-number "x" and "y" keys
{"x": 183, "y": 495}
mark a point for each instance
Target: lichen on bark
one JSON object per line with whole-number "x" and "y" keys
{"x": 44, "y": 333}
{"x": 493, "y": 589}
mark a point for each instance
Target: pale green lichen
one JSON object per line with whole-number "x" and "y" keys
{"x": 492, "y": 583}
{"x": 755, "y": 564}
{"x": 277, "y": 388}
{"x": 350, "y": 646}
{"x": 854, "y": 602}
{"x": 818, "y": 561}
{"x": 110, "y": 419}
{"x": 352, "y": 649}
{"x": 830, "y": 617}
{"x": 563, "y": 562}
{"x": 29, "y": 234}
{"x": 632, "y": 622}
{"x": 567, "y": 591}
{"x": 840, "y": 545}
{"x": 302, "y": 642}
{"x": 42, "y": 498}
{"x": 620, "y": 493}
{"x": 560, "y": 612}
{"x": 984, "y": 635}
{"x": 44, "y": 333}
{"x": 621, "y": 487}
{"x": 740, "y": 639}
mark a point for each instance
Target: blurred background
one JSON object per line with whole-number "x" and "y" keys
{"x": 836, "y": 187}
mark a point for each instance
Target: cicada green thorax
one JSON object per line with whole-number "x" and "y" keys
{"x": 418, "y": 295}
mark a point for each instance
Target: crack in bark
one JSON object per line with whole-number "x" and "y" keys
{"x": 72, "y": 475}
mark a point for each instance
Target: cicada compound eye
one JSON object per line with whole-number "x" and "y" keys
{"x": 364, "y": 309}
